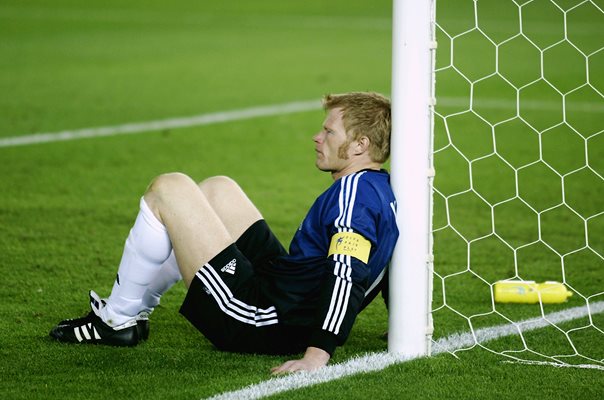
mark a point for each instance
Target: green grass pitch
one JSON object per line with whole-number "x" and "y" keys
{"x": 66, "y": 207}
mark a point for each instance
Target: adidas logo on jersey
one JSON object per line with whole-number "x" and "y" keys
{"x": 230, "y": 267}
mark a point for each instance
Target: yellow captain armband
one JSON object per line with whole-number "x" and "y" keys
{"x": 350, "y": 244}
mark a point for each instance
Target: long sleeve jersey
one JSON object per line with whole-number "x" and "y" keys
{"x": 337, "y": 258}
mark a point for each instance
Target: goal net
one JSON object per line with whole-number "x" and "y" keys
{"x": 519, "y": 185}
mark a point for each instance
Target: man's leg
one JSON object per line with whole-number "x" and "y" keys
{"x": 115, "y": 320}
{"x": 145, "y": 250}
{"x": 195, "y": 229}
{"x": 236, "y": 212}
{"x": 231, "y": 204}
{"x": 173, "y": 206}
{"x": 245, "y": 223}
{"x": 167, "y": 276}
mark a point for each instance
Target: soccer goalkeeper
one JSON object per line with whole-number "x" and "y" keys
{"x": 246, "y": 293}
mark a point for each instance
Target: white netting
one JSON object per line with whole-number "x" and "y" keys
{"x": 519, "y": 156}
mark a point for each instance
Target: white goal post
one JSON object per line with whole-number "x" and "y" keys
{"x": 518, "y": 140}
{"x": 410, "y": 322}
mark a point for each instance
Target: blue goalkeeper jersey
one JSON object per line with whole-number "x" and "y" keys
{"x": 337, "y": 258}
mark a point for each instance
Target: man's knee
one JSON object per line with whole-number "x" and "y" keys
{"x": 218, "y": 186}
{"x": 169, "y": 182}
{"x": 165, "y": 186}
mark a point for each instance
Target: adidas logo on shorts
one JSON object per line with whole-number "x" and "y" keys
{"x": 230, "y": 267}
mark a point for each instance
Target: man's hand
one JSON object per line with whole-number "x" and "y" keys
{"x": 314, "y": 358}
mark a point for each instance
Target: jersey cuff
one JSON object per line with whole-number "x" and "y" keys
{"x": 323, "y": 340}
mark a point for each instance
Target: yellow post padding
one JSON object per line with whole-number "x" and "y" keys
{"x": 350, "y": 244}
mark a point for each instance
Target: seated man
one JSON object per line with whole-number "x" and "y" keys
{"x": 246, "y": 293}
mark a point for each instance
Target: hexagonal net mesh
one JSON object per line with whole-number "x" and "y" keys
{"x": 519, "y": 158}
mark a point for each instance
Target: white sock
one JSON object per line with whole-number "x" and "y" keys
{"x": 147, "y": 247}
{"x": 164, "y": 280}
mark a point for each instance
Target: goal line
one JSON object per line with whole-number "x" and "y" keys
{"x": 379, "y": 361}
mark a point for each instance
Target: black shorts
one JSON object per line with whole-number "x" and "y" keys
{"x": 225, "y": 301}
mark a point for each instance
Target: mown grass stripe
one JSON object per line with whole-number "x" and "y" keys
{"x": 379, "y": 361}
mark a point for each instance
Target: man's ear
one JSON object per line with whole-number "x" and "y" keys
{"x": 362, "y": 145}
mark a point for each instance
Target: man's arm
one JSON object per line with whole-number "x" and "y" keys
{"x": 346, "y": 280}
{"x": 327, "y": 336}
